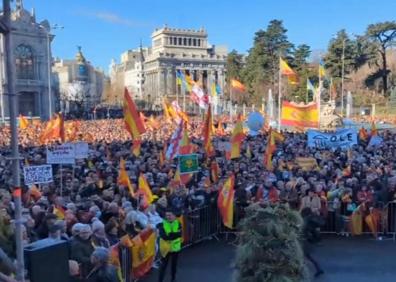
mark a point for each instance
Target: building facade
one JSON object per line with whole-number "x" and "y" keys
{"x": 154, "y": 68}
{"x": 31, "y": 46}
{"x": 79, "y": 85}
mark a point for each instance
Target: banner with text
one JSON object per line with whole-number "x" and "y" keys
{"x": 61, "y": 154}
{"x": 342, "y": 138}
{"x": 37, "y": 174}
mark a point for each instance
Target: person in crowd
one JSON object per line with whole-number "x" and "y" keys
{"x": 312, "y": 201}
{"x": 81, "y": 249}
{"x": 102, "y": 271}
{"x": 170, "y": 244}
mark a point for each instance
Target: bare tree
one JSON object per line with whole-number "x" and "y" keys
{"x": 75, "y": 96}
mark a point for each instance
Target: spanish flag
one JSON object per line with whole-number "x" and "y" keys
{"x": 54, "y": 129}
{"x": 144, "y": 189}
{"x": 273, "y": 137}
{"x": 236, "y": 140}
{"x": 165, "y": 109}
{"x": 363, "y": 135}
{"x": 286, "y": 70}
{"x": 225, "y": 202}
{"x": 207, "y": 133}
{"x": 237, "y": 85}
{"x": 136, "y": 145}
{"x": 123, "y": 178}
{"x": 143, "y": 252}
{"x": 59, "y": 212}
{"x": 23, "y": 122}
{"x": 133, "y": 122}
{"x": 374, "y": 130}
{"x": 214, "y": 171}
{"x": 297, "y": 115}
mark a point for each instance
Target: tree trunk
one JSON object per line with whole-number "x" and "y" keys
{"x": 384, "y": 72}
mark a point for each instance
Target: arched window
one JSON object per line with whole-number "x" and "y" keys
{"x": 24, "y": 62}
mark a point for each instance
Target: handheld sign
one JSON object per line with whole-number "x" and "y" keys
{"x": 37, "y": 174}
{"x": 188, "y": 163}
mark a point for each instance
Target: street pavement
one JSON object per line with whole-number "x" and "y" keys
{"x": 343, "y": 260}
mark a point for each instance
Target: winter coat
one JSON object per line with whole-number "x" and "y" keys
{"x": 105, "y": 273}
{"x": 81, "y": 251}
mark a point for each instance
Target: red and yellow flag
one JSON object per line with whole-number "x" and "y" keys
{"x": 143, "y": 252}
{"x": 225, "y": 202}
{"x": 237, "y": 85}
{"x": 59, "y": 212}
{"x": 363, "y": 135}
{"x": 133, "y": 123}
{"x": 144, "y": 189}
{"x": 374, "y": 130}
{"x": 286, "y": 70}
{"x": 236, "y": 140}
{"x": 215, "y": 171}
{"x": 136, "y": 146}
{"x": 300, "y": 115}
{"x": 54, "y": 129}
{"x": 273, "y": 137}
{"x": 123, "y": 178}
{"x": 23, "y": 122}
{"x": 207, "y": 133}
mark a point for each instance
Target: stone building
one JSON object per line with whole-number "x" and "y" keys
{"x": 31, "y": 46}
{"x": 172, "y": 49}
{"x": 79, "y": 85}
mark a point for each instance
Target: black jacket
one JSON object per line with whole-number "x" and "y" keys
{"x": 105, "y": 273}
{"x": 81, "y": 251}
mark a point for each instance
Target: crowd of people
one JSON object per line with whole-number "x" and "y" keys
{"x": 94, "y": 212}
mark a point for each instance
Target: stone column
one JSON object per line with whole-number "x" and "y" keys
{"x": 161, "y": 83}
{"x": 171, "y": 82}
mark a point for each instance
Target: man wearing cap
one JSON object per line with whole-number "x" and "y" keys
{"x": 170, "y": 243}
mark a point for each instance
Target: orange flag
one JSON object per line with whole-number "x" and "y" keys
{"x": 236, "y": 140}
{"x": 144, "y": 189}
{"x": 225, "y": 202}
{"x": 273, "y": 137}
{"x": 207, "y": 133}
{"x": 123, "y": 178}
{"x": 133, "y": 123}
{"x": 23, "y": 122}
{"x": 59, "y": 212}
{"x": 374, "y": 130}
{"x": 363, "y": 135}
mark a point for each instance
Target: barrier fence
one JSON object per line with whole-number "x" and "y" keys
{"x": 205, "y": 223}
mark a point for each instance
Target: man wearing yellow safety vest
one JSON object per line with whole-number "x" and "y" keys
{"x": 170, "y": 233}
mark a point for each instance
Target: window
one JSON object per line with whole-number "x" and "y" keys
{"x": 185, "y": 41}
{"x": 189, "y": 42}
{"x": 194, "y": 42}
{"x": 180, "y": 41}
{"x": 199, "y": 42}
{"x": 24, "y": 62}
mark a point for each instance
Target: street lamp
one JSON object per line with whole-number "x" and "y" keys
{"x": 48, "y": 32}
{"x": 342, "y": 76}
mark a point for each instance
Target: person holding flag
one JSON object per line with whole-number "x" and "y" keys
{"x": 170, "y": 233}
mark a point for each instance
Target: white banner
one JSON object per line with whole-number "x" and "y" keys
{"x": 343, "y": 138}
{"x": 61, "y": 154}
{"x": 37, "y": 174}
{"x": 81, "y": 150}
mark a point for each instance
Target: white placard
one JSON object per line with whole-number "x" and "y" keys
{"x": 81, "y": 150}
{"x": 61, "y": 154}
{"x": 37, "y": 174}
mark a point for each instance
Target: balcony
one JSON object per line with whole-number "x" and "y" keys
{"x": 28, "y": 82}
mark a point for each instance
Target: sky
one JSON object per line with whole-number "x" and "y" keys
{"x": 105, "y": 29}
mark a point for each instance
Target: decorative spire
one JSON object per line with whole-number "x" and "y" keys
{"x": 79, "y": 56}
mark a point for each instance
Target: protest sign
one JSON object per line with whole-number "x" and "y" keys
{"x": 61, "y": 154}
{"x": 343, "y": 138}
{"x": 307, "y": 164}
{"x": 37, "y": 174}
{"x": 188, "y": 163}
{"x": 81, "y": 150}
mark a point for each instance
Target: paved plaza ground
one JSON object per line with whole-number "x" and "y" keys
{"x": 343, "y": 259}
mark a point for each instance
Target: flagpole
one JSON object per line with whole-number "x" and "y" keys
{"x": 306, "y": 96}
{"x": 230, "y": 103}
{"x": 319, "y": 95}
{"x": 279, "y": 96}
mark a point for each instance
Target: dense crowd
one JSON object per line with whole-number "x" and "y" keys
{"x": 94, "y": 212}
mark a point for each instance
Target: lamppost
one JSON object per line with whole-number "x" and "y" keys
{"x": 48, "y": 32}
{"x": 342, "y": 76}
